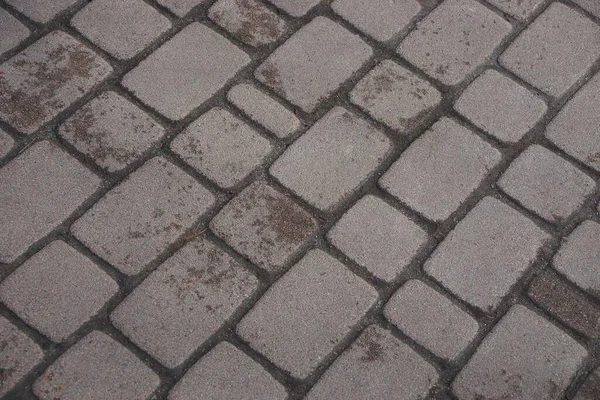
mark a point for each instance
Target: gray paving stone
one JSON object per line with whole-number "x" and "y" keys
{"x": 295, "y": 8}
{"x": 112, "y": 131}
{"x": 547, "y": 184}
{"x": 313, "y": 63}
{"x": 121, "y": 27}
{"x": 525, "y": 357}
{"x": 332, "y": 159}
{"x": 96, "y": 368}
{"x": 575, "y": 128}
{"x": 590, "y": 388}
{"x": 264, "y": 225}
{"x": 249, "y": 20}
{"x": 486, "y": 253}
{"x": 431, "y": 319}
{"x": 454, "y": 39}
{"x": 186, "y": 300}
{"x": 45, "y": 78}
{"x": 57, "y": 290}
{"x": 29, "y": 210}
{"x": 41, "y": 10}
{"x": 500, "y": 106}
{"x": 555, "y": 50}
{"x": 307, "y": 313}
{"x": 380, "y": 19}
{"x": 222, "y": 147}
{"x": 578, "y": 257}
{"x": 12, "y": 32}
{"x": 6, "y": 143}
{"x": 395, "y": 96}
{"x": 226, "y": 373}
{"x": 376, "y": 366}
{"x": 264, "y": 110}
{"x": 378, "y": 237}
{"x": 180, "y": 7}
{"x": 186, "y": 71}
{"x": 141, "y": 217}
{"x": 440, "y": 169}
{"x": 18, "y": 355}
{"x": 520, "y": 9}
{"x": 590, "y": 5}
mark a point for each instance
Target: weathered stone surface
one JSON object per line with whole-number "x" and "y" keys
{"x": 41, "y": 10}
{"x": 6, "y": 143}
{"x": 12, "y": 32}
{"x": 520, "y": 9}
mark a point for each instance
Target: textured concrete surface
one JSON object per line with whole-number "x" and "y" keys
{"x": 299, "y": 199}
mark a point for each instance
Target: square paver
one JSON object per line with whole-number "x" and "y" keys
{"x": 380, "y": 19}
{"x": 376, "y": 366}
{"x": 590, "y": 5}
{"x": 12, "y": 32}
{"x": 440, "y": 169}
{"x": 222, "y": 147}
{"x": 57, "y": 290}
{"x": 500, "y": 106}
{"x": 521, "y": 9}
{"x": 313, "y": 63}
{"x": 578, "y": 257}
{"x": 6, "y": 143}
{"x": 121, "y": 27}
{"x": 264, "y": 225}
{"x": 547, "y": 184}
{"x": 96, "y": 368}
{"x": 486, "y": 253}
{"x": 264, "y": 110}
{"x": 524, "y": 357}
{"x": 591, "y": 386}
{"x": 454, "y": 39}
{"x": 29, "y": 210}
{"x": 111, "y": 131}
{"x": 41, "y": 10}
{"x": 378, "y": 237}
{"x": 575, "y": 128}
{"x": 18, "y": 355}
{"x": 226, "y": 373}
{"x": 141, "y": 217}
{"x": 431, "y": 319}
{"x": 395, "y": 96}
{"x": 186, "y": 71}
{"x": 180, "y": 7}
{"x": 307, "y": 313}
{"x": 248, "y": 20}
{"x": 45, "y": 78}
{"x": 181, "y": 304}
{"x": 555, "y": 51}
{"x": 296, "y": 8}
{"x": 332, "y": 159}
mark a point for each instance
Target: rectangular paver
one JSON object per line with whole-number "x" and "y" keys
{"x": 41, "y": 10}
{"x": 12, "y": 32}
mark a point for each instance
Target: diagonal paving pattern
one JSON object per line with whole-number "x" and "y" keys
{"x": 321, "y": 199}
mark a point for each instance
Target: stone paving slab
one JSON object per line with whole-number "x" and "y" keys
{"x": 12, "y": 32}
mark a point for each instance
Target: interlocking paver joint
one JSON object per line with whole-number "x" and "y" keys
{"x": 299, "y": 199}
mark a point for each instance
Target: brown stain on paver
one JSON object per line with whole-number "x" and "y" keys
{"x": 593, "y": 158}
{"x": 369, "y": 342}
{"x": 270, "y": 73}
{"x": 258, "y": 26}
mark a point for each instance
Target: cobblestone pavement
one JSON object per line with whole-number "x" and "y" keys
{"x": 320, "y": 199}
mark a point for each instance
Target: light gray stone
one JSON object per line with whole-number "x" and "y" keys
{"x": 555, "y": 51}
{"x": 141, "y": 217}
{"x": 524, "y": 357}
{"x": 500, "y": 106}
{"x": 265, "y": 226}
{"x": 222, "y": 147}
{"x": 431, "y": 319}
{"x": 332, "y": 159}
{"x": 186, "y": 71}
{"x": 264, "y": 110}
{"x": 378, "y": 237}
{"x": 121, "y": 27}
{"x": 12, "y": 32}
{"x": 547, "y": 184}
{"x": 486, "y": 253}
{"x": 295, "y": 8}
{"x": 590, "y": 5}
{"x": 111, "y": 131}
{"x": 96, "y": 368}
{"x": 395, "y": 96}
{"x": 57, "y": 290}
{"x": 520, "y": 9}
{"x": 6, "y": 143}
{"x": 226, "y": 373}
{"x": 380, "y": 19}
{"x": 18, "y": 355}
{"x": 376, "y": 366}
{"x": 440, "y": 169}
{"x": 180, "y": 7}
{"x": 454, "y": 39}
{"x": 29, "y": 210}
{"x": 307, "y": 313}
{"x": 313, "y": 63}
{"x": 41, "y": 10}
{"x": 576, "y": 127}
{"x": 45, "y": 78}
